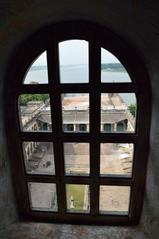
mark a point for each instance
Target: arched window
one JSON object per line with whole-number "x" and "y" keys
{"x": 77, "y": 148}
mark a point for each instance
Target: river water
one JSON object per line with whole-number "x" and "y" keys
{"x": 80, "y": 74}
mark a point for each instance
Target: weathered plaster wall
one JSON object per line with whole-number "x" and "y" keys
{"x": 139, "y": 24}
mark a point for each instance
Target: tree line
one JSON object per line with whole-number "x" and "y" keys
{"x": 24, "y": 99}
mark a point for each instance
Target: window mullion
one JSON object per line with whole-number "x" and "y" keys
{"x": 55, "y": 98}
{"x": 94, "y": 68}
{"x": 118, "y": 88}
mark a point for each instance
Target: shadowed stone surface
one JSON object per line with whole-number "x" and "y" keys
{"x": 56, "y": 231}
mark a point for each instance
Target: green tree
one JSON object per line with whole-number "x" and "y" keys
{"x": 24, "y": 99}
{"x": 132, "y": 109}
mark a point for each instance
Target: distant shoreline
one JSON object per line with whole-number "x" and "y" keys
{"x": 108, "y": 67}
{"x": 113, "y": 67}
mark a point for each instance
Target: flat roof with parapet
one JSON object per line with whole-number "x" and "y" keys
{"x": 71, "y": 117}
{"x": 81, "y": 102}
{"x": 76, "y": 109}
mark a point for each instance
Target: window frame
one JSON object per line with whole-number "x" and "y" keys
{"x": 98, "y": 36}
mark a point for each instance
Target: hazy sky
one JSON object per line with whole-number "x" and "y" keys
{"x": 75, "y": 52}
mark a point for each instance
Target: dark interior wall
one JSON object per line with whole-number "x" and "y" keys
{"x": 135, "y": 21}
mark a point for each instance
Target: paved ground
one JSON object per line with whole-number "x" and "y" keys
{"x": 43, "y": 196}
{"x": 115, "y": 159}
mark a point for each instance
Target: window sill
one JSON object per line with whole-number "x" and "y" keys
{"x": 30, "y": 230}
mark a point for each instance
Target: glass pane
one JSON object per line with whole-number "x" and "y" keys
{"x": 37, "y": 73}
{"x": 75, "y": 111}
{"x": 116, "y": 159}
{"x": 77, "y": 198}
{"x": 34, "y": 112}
{"x": 76, "y": 157}
{"x": 118, "y": 112}
{"x": 73, "y": 56}
{"x": 111, "y": 69}
{"x": 39, "y": 157}
{"x": 43, "y": 196}
{"x": 114, "y": 199}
